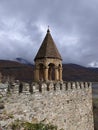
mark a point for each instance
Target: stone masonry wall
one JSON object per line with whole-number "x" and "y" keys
{"x": 69, "y": 106}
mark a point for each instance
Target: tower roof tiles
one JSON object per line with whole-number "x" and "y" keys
{"x": 48, "y": 48}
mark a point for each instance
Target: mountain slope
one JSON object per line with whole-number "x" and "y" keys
{"x": 21, "y": 60}
{"x": 75, "y": 72}
{"x": 71, "y": 72}
{"x": 18, "y": 70}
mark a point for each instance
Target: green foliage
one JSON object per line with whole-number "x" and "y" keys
{"x": 17, "y": 125}
{"x": 0, "y": 97}
{"x": 39, "y": 126}
{"x": 11, "y": 115}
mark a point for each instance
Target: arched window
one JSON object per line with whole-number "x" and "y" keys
{"x": 51, "y": 71}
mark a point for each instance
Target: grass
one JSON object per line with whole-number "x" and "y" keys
{"x": 0, "y": 97}
{"x": 39, "y": 126}
{"x": 17, "y": 125}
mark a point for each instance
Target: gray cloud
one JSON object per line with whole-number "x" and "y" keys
{"x": 73, "y": 25}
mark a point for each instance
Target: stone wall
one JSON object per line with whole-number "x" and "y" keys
{"x": 67, "y": 105}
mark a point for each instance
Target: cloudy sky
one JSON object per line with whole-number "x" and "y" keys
{"x": 73, "y": 25}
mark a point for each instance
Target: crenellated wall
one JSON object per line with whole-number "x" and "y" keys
{"x": 55, "y": 86}
{"x": 65, "y": 104}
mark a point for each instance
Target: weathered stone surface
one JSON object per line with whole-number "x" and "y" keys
{"x": 1, "y": 106}
{"x": 69, "y": 109}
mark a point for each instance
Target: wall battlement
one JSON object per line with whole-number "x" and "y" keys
{"x": 58, "y": 86}
{"x": 65, "y": 104}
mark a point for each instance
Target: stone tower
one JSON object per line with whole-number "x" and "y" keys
{"x": 48, "y": 61}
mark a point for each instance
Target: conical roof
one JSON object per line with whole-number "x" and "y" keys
{"x": 48, "y": 48}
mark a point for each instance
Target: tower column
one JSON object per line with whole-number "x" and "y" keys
{"x": 46, "y": 73}
{"x": 60, "y": 74}
{"x": 36, "y": 74}
{"x": 56, "y": 74}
